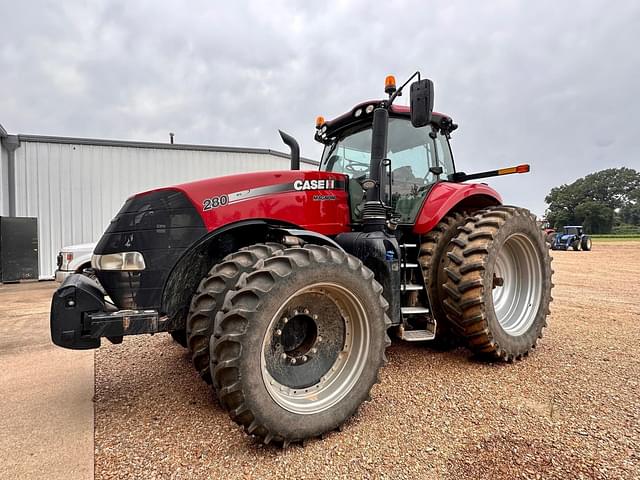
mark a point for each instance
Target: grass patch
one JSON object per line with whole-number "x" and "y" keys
{"x": 615, "y": 238}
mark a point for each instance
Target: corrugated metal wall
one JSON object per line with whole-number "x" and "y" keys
{"x": 4, "y": 181}
{"x": 74, "y": 189}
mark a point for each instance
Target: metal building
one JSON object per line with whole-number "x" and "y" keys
{"x": 74, "y": 186}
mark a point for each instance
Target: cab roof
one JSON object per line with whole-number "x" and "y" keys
{"x": 330, "y": 129}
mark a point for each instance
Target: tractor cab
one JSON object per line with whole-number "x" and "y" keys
{"x": 573, "y": 230}
{"x": 416, "y": 157}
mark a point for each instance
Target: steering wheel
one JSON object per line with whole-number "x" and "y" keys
{"x": 351, "y": 166}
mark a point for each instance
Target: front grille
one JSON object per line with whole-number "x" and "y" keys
{"x": 161, "y": 225}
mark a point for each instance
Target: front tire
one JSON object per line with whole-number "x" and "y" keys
{"x": 499, "y": 282}
{"x": 209, "y": 298}
{"x": 300, "y": 344}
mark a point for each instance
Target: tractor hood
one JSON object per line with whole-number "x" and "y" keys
{"x": 308, "y": 199}
{"x": 155, "y": 228}
{"x": 566, "y": 238}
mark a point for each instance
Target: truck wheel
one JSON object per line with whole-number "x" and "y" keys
{"x": 300, "y": 344}
{"x": 209, "y": 297}
{"x": 498, "y": 285}
{"x": 585, "y": 243}
{"x": 432, "y": 257}
{"x": 576, "y": 245}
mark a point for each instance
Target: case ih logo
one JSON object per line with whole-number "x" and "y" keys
{"x": 314, "y": 184}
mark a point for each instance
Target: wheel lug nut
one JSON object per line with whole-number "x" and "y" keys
{"x": 285, "y": 320}
{"x": 319, "y": 339}
{"x": 314, "y": 350}
{"x": 315, "y": 317}
{"x": 283, "y": 356}
{"x": 293, "y": 361}
{"x": 306, "y": 311}
{"x": 295, "y": 312}
{"x": 278, "y": 332}
{"x": 304, "y": 358}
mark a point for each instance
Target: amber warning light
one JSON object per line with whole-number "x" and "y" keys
{"x": 390, "y": 84}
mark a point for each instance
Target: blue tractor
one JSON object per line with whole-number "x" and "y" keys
{"x": 573, "y": 237}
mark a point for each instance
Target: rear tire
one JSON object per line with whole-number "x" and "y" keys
{"x": 209, "y": 298}
{"x": 300, "y": 344}
{"x": 499, "y": 282}
{"x": 585, "y": 243}
{"x": 432, "y": 256}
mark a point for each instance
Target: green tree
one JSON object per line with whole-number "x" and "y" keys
{"x": 597, "y": 201}
{"x": 594, "y": 217}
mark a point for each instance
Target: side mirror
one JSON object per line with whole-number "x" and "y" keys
{"x": 421, "y": 102}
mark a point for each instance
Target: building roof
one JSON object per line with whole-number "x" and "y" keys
{"x": 136, "y": 144}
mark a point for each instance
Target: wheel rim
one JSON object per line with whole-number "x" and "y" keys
{"x": 315, "y": 348}
{"x": 517, "y": 285}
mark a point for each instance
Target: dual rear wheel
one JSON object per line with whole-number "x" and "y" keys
{"x": 498, "y": 282}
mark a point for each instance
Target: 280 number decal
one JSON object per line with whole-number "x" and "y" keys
{"x": 214, "y": 202}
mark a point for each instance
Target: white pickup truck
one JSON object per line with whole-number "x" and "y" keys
{"x": 74, "y": 259}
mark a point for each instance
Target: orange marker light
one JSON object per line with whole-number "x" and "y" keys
{"x": 519, "y": 169}
{"x": 390, "y": 84}
{"x": 319, "y": 121}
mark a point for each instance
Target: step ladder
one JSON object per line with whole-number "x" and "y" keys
{"x": 411, "y": 270}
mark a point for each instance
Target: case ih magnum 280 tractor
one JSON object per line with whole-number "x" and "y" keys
{"x": 284, "y": 285}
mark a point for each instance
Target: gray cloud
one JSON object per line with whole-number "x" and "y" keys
{"x": 545, "y": 83}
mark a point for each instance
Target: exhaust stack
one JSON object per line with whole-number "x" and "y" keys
{"x": 294, "y": 147}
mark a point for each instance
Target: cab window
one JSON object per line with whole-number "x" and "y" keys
{"x": 412, "y": 151}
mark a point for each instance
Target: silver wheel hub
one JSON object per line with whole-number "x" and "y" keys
{"x": 517, "y": 285}
{"x": 315, "y": 348}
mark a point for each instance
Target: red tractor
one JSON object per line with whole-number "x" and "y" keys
{"x": 284, "y": 285}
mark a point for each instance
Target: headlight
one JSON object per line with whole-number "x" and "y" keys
{"x": 125, "y": 261}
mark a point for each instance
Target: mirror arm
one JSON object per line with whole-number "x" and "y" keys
{"x": 398, "y": 92}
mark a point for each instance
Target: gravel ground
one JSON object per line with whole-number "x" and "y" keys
{"x": 570, "y": 410}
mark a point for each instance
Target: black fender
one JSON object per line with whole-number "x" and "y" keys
{"x": 185, "y": 276}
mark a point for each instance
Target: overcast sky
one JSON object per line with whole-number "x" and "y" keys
{"x": 553, "y": 84}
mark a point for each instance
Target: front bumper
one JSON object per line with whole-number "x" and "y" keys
{"x": 62, "y": 275}
{"x": 80, "y": 317}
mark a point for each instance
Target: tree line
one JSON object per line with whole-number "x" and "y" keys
{"x": 602, "y": 202}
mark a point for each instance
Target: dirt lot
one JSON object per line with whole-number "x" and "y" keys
{"x": 570, "y": 410}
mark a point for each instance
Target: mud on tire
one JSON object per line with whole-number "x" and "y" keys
{"x": 299, "y": 345}
{"x": 498, "y": 284}
{"x": 209, "y": 298}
